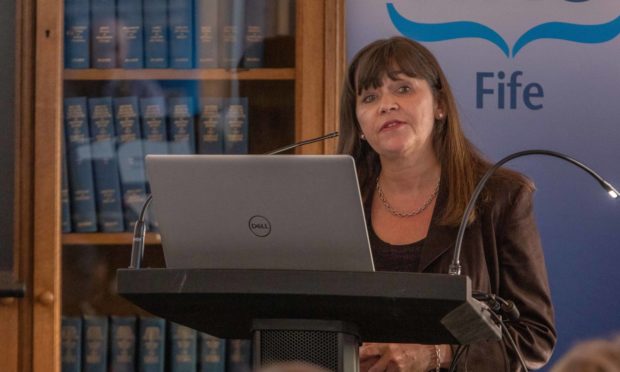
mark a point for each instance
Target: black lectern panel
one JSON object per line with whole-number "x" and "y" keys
{"x": 385, "y": 306}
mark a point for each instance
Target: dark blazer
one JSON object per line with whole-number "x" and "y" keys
{"x": 502, "y": 255}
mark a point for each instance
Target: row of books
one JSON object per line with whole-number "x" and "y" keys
{"x": 106, "y": 139}
{"x": 179, "y": 34}
{"x": 129, "y": 343}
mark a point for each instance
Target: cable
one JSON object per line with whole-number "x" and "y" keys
{"x": 511, "y": 340}
{"x": 460, "y": 350}
{"x": 505, "y": 308}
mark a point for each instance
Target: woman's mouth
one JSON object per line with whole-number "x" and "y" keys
{"x": 391, "y": 125}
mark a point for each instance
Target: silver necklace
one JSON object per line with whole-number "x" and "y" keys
{"x": 396, "y": 213}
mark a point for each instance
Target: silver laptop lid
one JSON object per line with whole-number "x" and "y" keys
{"x": 299, "y": 212}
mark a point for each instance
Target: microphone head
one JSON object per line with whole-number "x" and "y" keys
{"x": 612, "y": 191}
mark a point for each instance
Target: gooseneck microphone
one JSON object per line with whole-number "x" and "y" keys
{"x": 455, "y": 266}
{"x": 139, "y": 235}
{"x": 303, "y": 143}
{"x": 498, "y": 307}
{"x": 139, "y": 231}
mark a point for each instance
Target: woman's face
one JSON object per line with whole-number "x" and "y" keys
{"x": 397, "y": 118}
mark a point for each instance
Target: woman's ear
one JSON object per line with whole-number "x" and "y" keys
{"x": 440, "y": 112}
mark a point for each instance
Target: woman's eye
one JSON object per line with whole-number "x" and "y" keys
{"x": 368, "y": 98}
{"x": 404, "y": 89}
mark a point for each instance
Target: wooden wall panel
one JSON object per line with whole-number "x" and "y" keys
{"x": 16, "y": 314}
{"x": 309, "y": 54}
{"x": 335, "y": 64}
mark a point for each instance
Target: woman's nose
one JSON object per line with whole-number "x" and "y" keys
{"x": 387, "y": 105}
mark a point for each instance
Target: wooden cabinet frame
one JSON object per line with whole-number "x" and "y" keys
{"x": 320, "y": 55}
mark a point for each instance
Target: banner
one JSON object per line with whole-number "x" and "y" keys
{"x": 535, "y": 75}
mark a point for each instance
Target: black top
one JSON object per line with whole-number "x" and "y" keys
{"x": 390, "y": 257}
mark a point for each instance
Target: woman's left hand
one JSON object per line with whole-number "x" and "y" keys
{"x": 377, "y": 357}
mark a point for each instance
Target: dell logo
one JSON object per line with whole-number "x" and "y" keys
{"x": 259, "y": 226}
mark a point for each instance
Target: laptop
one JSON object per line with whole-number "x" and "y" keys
{"x": 289, "y": 212}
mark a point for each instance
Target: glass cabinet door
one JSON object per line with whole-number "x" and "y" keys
{"x": 160, "y": 77}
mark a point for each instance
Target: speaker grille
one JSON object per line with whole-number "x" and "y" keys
{"x": 317, "y": 347}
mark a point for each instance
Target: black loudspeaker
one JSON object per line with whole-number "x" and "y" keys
{"x": 282, "y": 345}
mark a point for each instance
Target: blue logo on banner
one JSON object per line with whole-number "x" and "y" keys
{"x": 590, "y": 34}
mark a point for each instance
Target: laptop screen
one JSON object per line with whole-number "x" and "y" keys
{"x": 292, "y": 212}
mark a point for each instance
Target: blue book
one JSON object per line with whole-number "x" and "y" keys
{"x": 95, "y": 345}
{"x": 211, "y": 126}
{"x": 206, "y": 37}
{"x": 103, "y": 33}
{"x": 130, "y": 34}
{"x": 105, "y": 164}
{"x": 152, "y": 344}
{"x": 238, "y": 355}
{"x": 71, "y": 344}
{"x": 181, "y": 125}
{"x": 122, "y": 344}
{"x": 77, "y": 33}
{"x": 183, "y": 348}
{"x": 232, "y": 22}
{"x": 180, "y": 19}
{"x": 156, "y": 34}
{"x": 254, "y": 33}
{"x": 236, "y": 125}
{"x": 64, "y": 192}
{"x": 212, "y": 352}
{"x": 79, "y": 165}
{"x": 130, "y": 157}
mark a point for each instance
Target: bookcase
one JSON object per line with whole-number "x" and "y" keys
{"x": 292, "y": 99}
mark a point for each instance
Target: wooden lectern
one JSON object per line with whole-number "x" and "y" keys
{"x": 318, "y": 317}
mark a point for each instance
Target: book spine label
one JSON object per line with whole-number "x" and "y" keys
{"x": 77, "y": 33}
{"x": 232, "y": 21}
{"x": 181, "y": 124}
{"x": 79, "y": 160}
{"x": 130, "y": 157}
{"x": 236, "y": 126}
{"x": 152, "y": 344}
{"x": 183, "y": 348}
{"x": 254, "y": 33}
{"x": 95, "y": 348}
{"x": 105, "y": 164}
{"x": 210, "y": 126}
{"x": 71, "y": 344}
{"x": 206, "y": 12}
{"x": 123, "y": 344}
{"x": 156, "y": 34}
{"x": 212, "y": 353}
{"x": 103, "y": 34}
{"x": 154, "y": 133}
{"x": 130, "y": 34}
{"x": 238, "y": 355}
{"x": 180, "y": 18}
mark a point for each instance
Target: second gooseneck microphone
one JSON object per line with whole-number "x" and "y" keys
{"x": 455, "y": 266}
{"x": 303, "y": 143}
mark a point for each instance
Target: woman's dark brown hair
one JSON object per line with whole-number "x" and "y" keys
{"x": 461, "y": 163}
